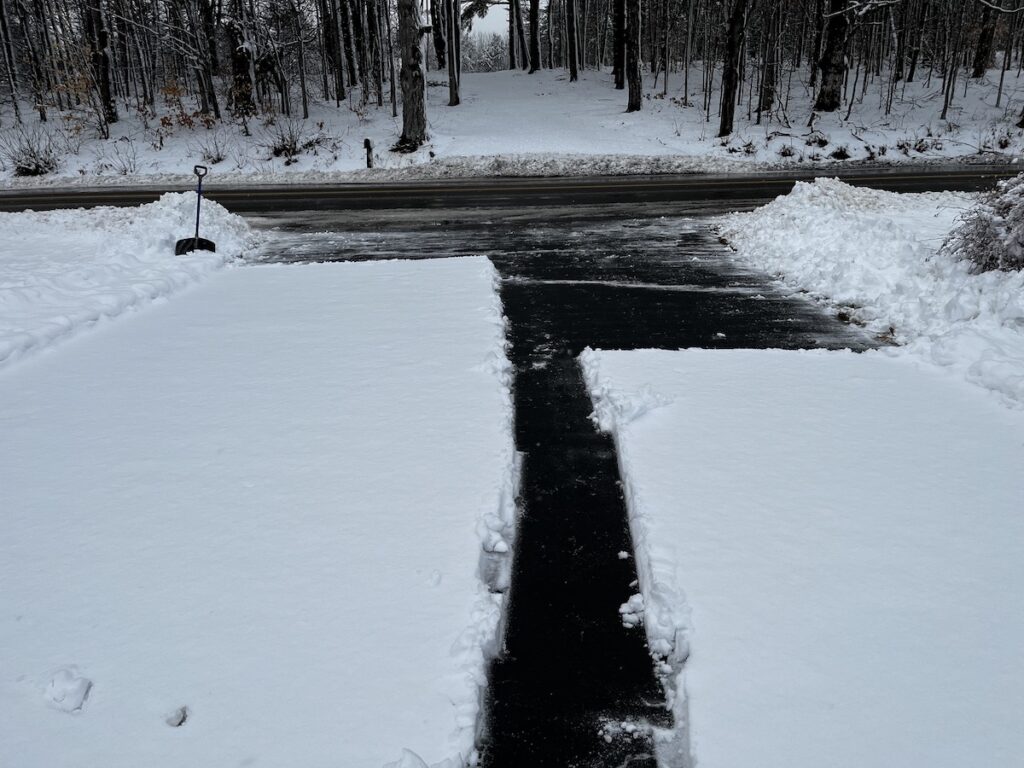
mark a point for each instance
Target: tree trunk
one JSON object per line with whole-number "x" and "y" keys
{"x": 521, "y": 35}
{"x": 819, "y": 31}
{"x": 833, "y": 58}
{"x": 391, "y": 59}
{"x": 633, "y": 76}
{"x": 297, "y": 20}
{"x": 99, "y": 57}
{"x": 5, "y": 34}
{"x": 374, "y": 52}
{"x": 241, "y": 99}
{"x": 619, "y": 44}
{"x": 40, "y": 79}
{"x": 511, "y": 35}
{"x": 983, "y": 53}
{"x": 770, "y": 73}
{"x": 571, "y": 40}
{"x": 206, "y": 12}
{"x": 333, "y": 51}
{"x": 731, "y": 72}
{"x": 347, "y": 42}
{"x": 439, "y": 25}
{"x": 550, "y": 38}
{"x": 534, "y": 35}
{"x": 451, "y": 15}
{"x": 915, "y": 49}
{"x": 414, "y": 111}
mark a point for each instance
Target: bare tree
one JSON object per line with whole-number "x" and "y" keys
{"x": 735, "y": 28}
{"x": 833, "y": 57}
{"x": 414, "y": 111}
{"x": 633, "y": 77}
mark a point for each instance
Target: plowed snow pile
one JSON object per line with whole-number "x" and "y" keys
{"x": 877, "y": 256}
{"x": 62, "y": 270}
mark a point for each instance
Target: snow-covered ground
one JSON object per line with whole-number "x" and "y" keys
{"x": 837, "y": 540}
{"x": 877, "y": 257}
{"x": 247, "y": 526}
{"x": 511, "y": 123}
{"x": 62, "y": 270}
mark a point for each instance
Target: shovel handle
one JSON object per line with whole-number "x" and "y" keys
{"x": 200, "y": 171}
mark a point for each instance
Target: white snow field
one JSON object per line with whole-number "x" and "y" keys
{"x": 837, "y": 540}
{"x": 515, "y": 124}
{"x": 877, "y": 257}
{"x": 246, "y": 527}
{"x": 63, "y": 270}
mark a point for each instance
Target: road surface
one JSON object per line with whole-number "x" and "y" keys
{"x": 741, "y": 191}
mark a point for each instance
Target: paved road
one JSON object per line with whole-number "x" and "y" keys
{"x": 741, "y": 190}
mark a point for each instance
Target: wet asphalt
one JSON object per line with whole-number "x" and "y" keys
{"x": 569, "y": 675}
{"x": 373, "y": 191}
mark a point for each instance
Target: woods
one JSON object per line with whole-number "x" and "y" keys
{"x": 199, "y": 62}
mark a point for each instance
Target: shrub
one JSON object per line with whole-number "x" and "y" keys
{"x": 817, "y": 139}
{"x": 288, "y": 138}
{"x": 211, "y": 148}
{"x": 30, "y": 152}
{"x": 991, "y": 235}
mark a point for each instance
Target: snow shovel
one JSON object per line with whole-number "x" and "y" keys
{"x": 197, "y": 243}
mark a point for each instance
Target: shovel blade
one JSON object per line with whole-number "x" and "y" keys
{"x": 189, "y": 244}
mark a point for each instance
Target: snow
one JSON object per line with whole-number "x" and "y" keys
{"x": 877, "y": 257}
{"x": 836, "y": 543}
{"x": 65, "y": 270}
{"x": 515, "y": 124}
{"x": 246, "y": 526}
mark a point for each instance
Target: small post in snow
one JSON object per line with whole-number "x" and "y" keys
{"x": 368, "y": 146}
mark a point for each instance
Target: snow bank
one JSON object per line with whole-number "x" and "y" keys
{"x": 877, "y": 257}
{"x": 848, "y": 532}
{"x": 514, "y": 124}
{"x": 62, "y": 270}
{"x": 253, "y": 525}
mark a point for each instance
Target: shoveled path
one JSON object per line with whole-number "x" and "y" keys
{"x": 570, "y": 674}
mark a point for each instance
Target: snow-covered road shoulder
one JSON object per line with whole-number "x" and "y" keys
{"x": 64, "y": 270}
{"x": 847, "y": 532}
{"x": 876, "y": 256}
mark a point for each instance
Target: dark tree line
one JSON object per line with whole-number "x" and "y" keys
{"x": 235, "y": 59}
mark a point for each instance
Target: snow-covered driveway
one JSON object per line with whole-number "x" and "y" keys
{"x": 847, "y": 531}
{"x": 257, "y": 509}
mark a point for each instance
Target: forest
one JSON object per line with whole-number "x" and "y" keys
{"x": 201, "y": 62}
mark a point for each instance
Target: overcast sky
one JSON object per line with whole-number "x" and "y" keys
{"x": 496, "y": 20}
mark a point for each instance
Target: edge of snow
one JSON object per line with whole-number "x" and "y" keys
{"x": 666, "y": 610}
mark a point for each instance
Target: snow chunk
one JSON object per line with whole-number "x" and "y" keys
{"x": 613, "y": 406}
{"x": 67, "y": 690}
{"x": 632, "y": 611}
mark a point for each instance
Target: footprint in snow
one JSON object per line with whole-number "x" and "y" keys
{"x": 67, "y": 690}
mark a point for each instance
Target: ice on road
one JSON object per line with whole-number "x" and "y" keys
{"x": 847, "y": 531}
{"x": 244, "y": 527}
